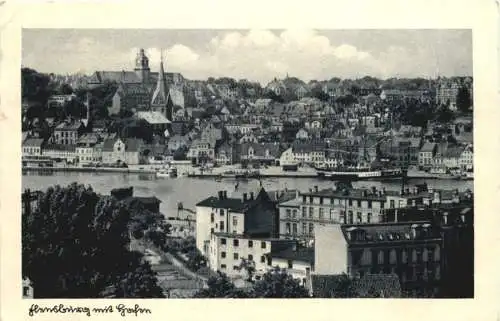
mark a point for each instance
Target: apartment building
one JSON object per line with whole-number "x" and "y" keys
{"x": 411, "y": 250}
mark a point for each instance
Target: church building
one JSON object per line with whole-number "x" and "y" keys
{"x": 143, "y": 90}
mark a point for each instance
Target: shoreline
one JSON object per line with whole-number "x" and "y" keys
{"x": 294, "y": 175}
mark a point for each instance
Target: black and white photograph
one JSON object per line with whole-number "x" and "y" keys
{"x": 247, "y": 163}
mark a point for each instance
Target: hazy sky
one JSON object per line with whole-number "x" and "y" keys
{"x": 255, "y": 54}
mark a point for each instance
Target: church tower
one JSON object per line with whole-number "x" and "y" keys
{"x": 161, "y": 101}
{"x": 142, "y": 66}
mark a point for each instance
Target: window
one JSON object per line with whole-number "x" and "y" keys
{"x": 290, "y": 264}
{"x": 236, "y": 256}
{"x": 304, "y": 228}
{"x": 303, "y": 199}
{"x": 212, "y": 218}
{"x": 358, "y": 203}
{"x": 287, "y": 228}
{"x": 288, "y": 213}
{"x": 350, "y": 202}
{"x": 250, "y": 257}
{"x": 250, "y": 243}
{"x": 304, "y": 211}
{"x": 221, "y": 224}
{"x": 262, "y": 259}
{"x": 321, "y": 200}
{"x": 380, "y": 257}
{"x": 311, "y": 212}
{"x": 294, "y": 215}
{"x": 263, "y": 245}
{"x": 311, "y": 228}
{"x": 212, "y": 230}
{"x": 236, "y": 268}
{"x": 294, "y": 228}
{"x": 223, "y": 241}
{"x": 221, "y": 212}
{"x": 321, "y": 213}
{"x": 223, "y": 255}
{"x": 404, "y": 256}
{"x": 369, "y": 204}
{"x": 351, "y": 217}
{"x": 391, "y": 204}
{"x": 359, "y": 217}
{"x": 223, "y": 266}
{"x": 342, "y": 217}
{"x": 369, "y": 218}
{"x": 236, "y": 242}
{"x": 414, "y": 256}
{"x": 331, "y": 215}
{"x": 392, "y": 256}
{"x": 235, "y": 221}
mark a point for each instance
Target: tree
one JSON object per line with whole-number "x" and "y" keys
{"x": 249, "y": 267}
{"x": 66, "y": 89}
{"x": 35, "y": 87}
{"x": 279, "y": 284}
{"x": 463, "y": 99}
{"x": 220, "y": 286}
{"x": 75, "y": 245}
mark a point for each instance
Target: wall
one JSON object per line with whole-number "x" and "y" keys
{"x": 330, "y": 250}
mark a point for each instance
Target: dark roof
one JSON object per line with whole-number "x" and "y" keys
{"x": 307, "y": 147}
{"x": 305, "y": 254}
{"x": 370, "y": 285}
{"x": 358, "y": 193}
{"x": 379, "y": 285}
{"x": 387, "y": 232}
{"x": 234, "y": 204}
{"x": 34, "y": 142}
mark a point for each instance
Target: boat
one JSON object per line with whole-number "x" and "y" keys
{"x": 365, "y": 173}
{"x": 169, "y": 172}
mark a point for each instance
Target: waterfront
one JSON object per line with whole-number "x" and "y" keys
{"x": 191, "y": 190}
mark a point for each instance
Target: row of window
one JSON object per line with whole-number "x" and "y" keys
{"x": 237, "y": 257}
{"x": 342, "y": 217}
{"x": 394, "y": 256}
{"x": 405, "y": 274}
{"x": 336, "y": 201}
{"x": 236, "y": 242}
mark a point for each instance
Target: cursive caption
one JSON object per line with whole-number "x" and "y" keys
{"x": 121, "y": 309}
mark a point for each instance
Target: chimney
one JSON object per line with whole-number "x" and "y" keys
{"x": 445, "y": 218}
{"x": 251, "y": 196}
{"x": 244, "y": 197}
{"x": 221, "y": 195}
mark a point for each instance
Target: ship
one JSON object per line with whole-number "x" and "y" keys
{"x": 360, "y": 173}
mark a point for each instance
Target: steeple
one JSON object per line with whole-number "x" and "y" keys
{"x": 142, "y": 66}
{"x": 161, "y": 100}
{"x": 87, "y": 107}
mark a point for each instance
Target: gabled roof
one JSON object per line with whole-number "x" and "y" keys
{"x": 378, "y": 285}
{"x": 33, "y": 142}
{"x": 152, "y": 117}
{"x": 295, "y": 254}
{"x": 116, "y": 76}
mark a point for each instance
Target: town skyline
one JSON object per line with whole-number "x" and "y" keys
{"x": 257, "y": 55}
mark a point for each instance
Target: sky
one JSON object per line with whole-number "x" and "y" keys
{"x": 256, "y": 55}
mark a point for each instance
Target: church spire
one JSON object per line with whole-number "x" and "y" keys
{"x": 161, "y": 100}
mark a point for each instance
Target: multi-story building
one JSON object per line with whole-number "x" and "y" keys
{"x": 447, "y": 94}
{"x": 467, "y": 158}
{"x": 402, "y": 151}
{"x": 67, "y": 133}
{"x": 309, "y": 152}
{"x": 32, "y": 147}
{"x": 202, "y": 150}
{"x": 61, "y": 152}
{"x": 117, "y": 150}
{"x": 264, "y": 153}
{"x": 411, "y": 250}
{"x": 426, "y": 155}
{"x": 297, "y": 217}
{"x": 253, "y": 214}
